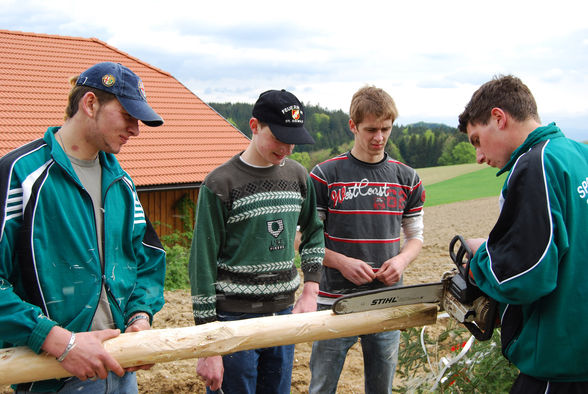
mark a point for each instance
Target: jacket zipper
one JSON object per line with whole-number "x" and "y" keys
{"x": 107, "y": 288}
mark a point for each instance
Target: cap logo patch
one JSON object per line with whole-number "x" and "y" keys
{"x": 295, "y": 114}
{"x": 108, "y": 80}
{"x": 142, "y": 89}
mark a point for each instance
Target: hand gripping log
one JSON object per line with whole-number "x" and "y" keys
{"x": 20, "y": 364}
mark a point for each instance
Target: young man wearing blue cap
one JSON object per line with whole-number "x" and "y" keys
{"x": 79, "y": 261}
{"x": 242, "y": 257}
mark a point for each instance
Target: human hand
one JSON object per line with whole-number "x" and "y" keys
{"x": 307, "y": 300}
{"x": 139, "y": 325}
{"x": 87, "y": 359}
{"x": 211, "y": 370}
{"x": 357, "y": 271}
{"x": 474, "y": 243}
{"x": 391, "y": 271}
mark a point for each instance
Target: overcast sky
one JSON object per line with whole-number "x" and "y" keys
{"x": 430, "y": 55}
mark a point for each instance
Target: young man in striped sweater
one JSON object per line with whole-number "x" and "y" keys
{"x": 242, "y": 257}
{"x": 365, "y": 199}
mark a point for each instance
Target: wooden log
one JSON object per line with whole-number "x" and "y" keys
{"x": 20, "y": 364}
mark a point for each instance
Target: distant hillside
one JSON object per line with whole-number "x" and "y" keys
{"x": 433, "y": 126}
{"x": 419, "y": 144}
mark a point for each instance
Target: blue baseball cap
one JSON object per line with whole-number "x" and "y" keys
{"x": 128, "y": 88}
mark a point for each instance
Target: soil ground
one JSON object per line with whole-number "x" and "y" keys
{"x": 471, "y": 219}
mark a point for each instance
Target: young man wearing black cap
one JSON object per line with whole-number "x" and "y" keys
{"x": 242, "y": 257}
{"x": 79, "y": 261}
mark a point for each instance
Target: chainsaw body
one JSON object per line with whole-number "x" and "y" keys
{"x": 457, "y": 294}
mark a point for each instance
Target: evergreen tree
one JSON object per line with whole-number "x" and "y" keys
{"x": 418, "y": 145}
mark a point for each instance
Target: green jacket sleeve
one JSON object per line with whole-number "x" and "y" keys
{"x": 519, "y": 262}
{"x": 148, "y": 293}
{"x": 21, "y": 323}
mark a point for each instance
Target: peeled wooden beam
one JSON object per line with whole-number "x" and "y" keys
{"x": 20, "y": 364}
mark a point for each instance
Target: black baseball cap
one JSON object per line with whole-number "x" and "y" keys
{"x": 125, "y": 85}
{"x": 284, "y": 114}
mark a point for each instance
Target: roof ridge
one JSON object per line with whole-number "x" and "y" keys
{"x": 57, "y": 36}
{"x": 26, "y": 33}
{"x": 130, "y": 56}
{"x": 197, "y": 138}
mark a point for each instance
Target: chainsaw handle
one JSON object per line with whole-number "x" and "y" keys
{"x": 463, "y": 267}
{"x": 490, "y": 323}
{"x": 463, "y": 251}
{"x": 479, "y": 334}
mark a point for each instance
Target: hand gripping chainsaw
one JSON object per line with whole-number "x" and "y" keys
{"x": 457, "y": 294}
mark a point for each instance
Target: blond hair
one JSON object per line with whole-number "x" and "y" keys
{"x": 372, "y": 100}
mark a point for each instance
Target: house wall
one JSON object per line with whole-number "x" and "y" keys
{"x": 166, "y": 209}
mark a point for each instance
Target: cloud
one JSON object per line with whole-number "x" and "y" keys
{"x": 430, "y": 55}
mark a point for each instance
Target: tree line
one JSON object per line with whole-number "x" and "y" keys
{"x": 418, "y": 145}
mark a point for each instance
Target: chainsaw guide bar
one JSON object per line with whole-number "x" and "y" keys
{"x": 388, "y": 297}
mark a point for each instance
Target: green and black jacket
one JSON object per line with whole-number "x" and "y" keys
{"x": 50, "y": 270}
{"x": 535, "y": 261}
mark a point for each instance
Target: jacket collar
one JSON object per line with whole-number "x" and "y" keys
{"x": 539, "y": 134}
{"x": 111, "y": 168}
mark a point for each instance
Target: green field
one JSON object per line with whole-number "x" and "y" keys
{"x": 432, "y": 175}
{"x": 449, "y": 184}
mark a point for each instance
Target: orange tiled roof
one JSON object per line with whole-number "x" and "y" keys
{"x": 35, "y": 69}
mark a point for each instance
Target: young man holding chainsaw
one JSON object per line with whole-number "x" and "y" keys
{"x": 365, "y": 199}
{"x": 534, "y": 260}
{"x": 79, "y": 261}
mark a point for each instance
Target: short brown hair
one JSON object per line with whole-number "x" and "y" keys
{"x": 508, "y": 93}
{"x": 77, "y": 92}
{"x": 372, "y": 100}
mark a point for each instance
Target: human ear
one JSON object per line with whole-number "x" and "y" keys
{"x": 253, "y": 123}
{"x": 499, "y": 115}
{"x": 352, "y": 126}
{"x": 89, "y": 104}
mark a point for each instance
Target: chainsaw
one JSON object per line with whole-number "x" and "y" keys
{"x": 456, "y": 293}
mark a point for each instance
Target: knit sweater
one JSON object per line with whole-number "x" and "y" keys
{"x": 242, "y": 256}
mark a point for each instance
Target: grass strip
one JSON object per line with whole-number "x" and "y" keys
{"x": 470, "y": 186}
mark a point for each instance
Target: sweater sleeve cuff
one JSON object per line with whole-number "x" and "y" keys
{"x": 314, "y": 276}
{"x": 39, "y": 334}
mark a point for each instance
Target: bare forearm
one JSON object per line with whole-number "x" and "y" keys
{"x": 307, "y": 300}
{"x": 411, "y": 250}
{"x": 56, "y": 341}
{"x": 333, "y": 259}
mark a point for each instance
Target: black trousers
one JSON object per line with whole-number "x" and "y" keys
{"x": 525, "y": 384}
